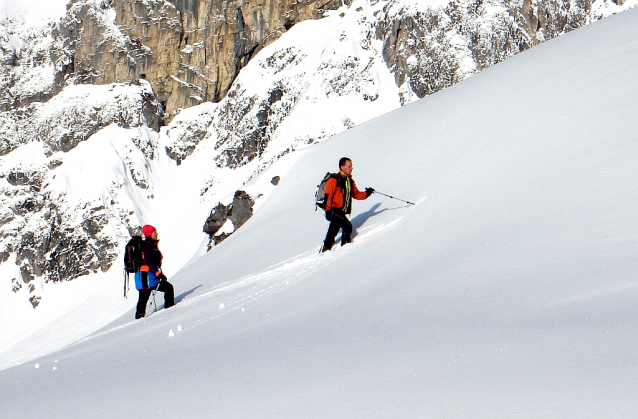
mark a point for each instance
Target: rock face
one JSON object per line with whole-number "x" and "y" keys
{"x": 37, "y": 228}
{"x": 190, "y": 50}
{"x": 26, "y": 74}
{"x": 434, "y": 49}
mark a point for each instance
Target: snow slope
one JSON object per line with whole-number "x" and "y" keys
{"x": 508, "y": 291}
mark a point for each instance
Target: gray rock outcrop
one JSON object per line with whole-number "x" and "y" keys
{"x": 238, "y": 212}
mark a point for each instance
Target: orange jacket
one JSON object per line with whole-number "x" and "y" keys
{"x": 336, "y": 193}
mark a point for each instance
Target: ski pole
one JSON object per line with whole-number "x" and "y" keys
{"x": 402, "y": 200}
{"x": 152, "y": 301}
{"x": 125, "y": 283}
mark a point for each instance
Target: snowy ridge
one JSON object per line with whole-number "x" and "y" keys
{"x": 508, "y": 292}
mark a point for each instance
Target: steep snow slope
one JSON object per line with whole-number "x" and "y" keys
{"x": 508, "y": 291}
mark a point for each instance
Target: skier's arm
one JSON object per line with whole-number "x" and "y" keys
{"x": 357, "y": 194}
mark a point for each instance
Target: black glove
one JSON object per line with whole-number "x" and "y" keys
{"x": 328, "y": 215}
{"x": 369, "y": 191}
{"x": 162, "y": 277}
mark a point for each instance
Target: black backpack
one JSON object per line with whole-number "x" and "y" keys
{"x": 321, "y": 199}
{"x": 133, "y": 257}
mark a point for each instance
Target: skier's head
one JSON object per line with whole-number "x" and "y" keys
{"x": 148, "y": 230}
{"x": 345, "y": 165}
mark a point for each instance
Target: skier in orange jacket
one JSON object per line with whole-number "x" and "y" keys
{"x": 340, "y": 190}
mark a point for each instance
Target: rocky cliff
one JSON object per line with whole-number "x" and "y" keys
{"x": 433, "y": 49}
{"x": 190, "y": 50}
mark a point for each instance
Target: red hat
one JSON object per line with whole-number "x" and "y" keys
{"x": 148, "y": 230}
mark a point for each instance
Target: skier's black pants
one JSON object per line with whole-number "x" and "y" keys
{"x": 338, "y": 222}
{"x": 169, "y": 297}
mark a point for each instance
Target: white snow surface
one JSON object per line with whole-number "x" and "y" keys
{"x": 33, "y": 12}
{"x": 508, "y": 291}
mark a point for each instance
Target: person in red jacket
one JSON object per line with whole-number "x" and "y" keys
{"x": 150, "y": 275}
{"x": 340, "y": 191}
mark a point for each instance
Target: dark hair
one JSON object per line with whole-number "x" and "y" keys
{"x": 343, "y": 161}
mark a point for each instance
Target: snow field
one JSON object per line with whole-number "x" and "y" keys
{"x": 508, "y": 291}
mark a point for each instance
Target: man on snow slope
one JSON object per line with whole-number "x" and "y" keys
{"x": 340, "y": 190}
